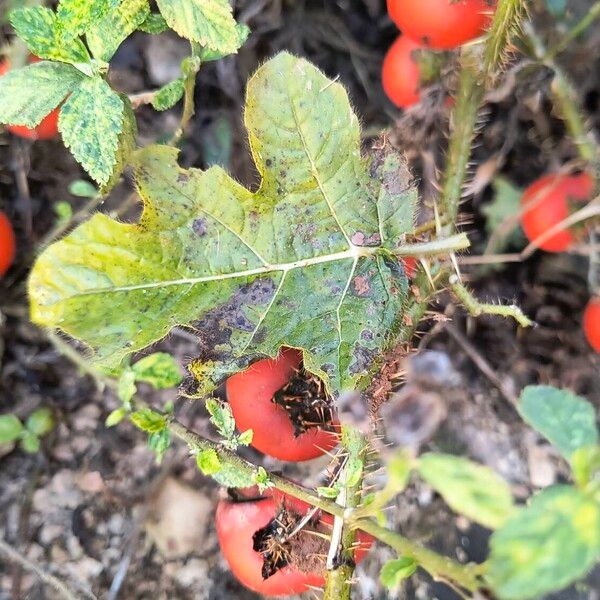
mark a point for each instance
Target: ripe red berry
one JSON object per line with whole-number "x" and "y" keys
{"x": 8, "y": 244}
{"x": 288, "y": 410}
{"x": 47, "y": 129}
{"x": 257, "y": 554}
{"x": 591, "y": 323}
{"x": 400, "y": 73}
{"x": 547, "y": 200}
{"x": 441, "y": 24}
{"x": 410, "y": 266}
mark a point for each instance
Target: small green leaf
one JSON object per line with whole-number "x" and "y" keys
{"x": 37, "y": 27}
{"x": 208, "y": 461}
{"x": 231, "y": 477}
{"x": 245, "y": 439}
{"x": 221, "y": 417}
{"x": 506, "y": 203}
{"x": 398, "y": 470}
{"x": 585, "y": 463}
{"x": 30, "y": 93}
{"x": 30, "y": 442}
{"x": 261, "y": 479}
{"x": 468, "y": 488}
{"x": 106, "y": 35}
{"x": 207, "y": 54}
{"x": 63, "y": 210}
{"x": 546, "y": 546}
{"x": 115, "y": 417}
{"x": 90, "y": 122}
{"x": 40, "y": 421}
{"x": 148, "y": 420}
{"x": 10, "y": 428}
{"x": 77, "y": 16}
{"x": 160, "y": 370}
{"x": 563, "y": 418}
{"x": 208, "y": 22}
{"x": 83, "y": 189}
{"x": 328, "y": 492}
{"x": 126, "y": 387}
{"x": 169, "y": 95}
{"x": 394, "y": 572}
{"x": 154, "y": 23}
{"x": 159, "y": 441}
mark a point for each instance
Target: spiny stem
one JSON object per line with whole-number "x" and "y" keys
{"x": 337, "y": 584}
{"x": 438, "y": 566}
{"x": 188, "y": 99}
{"x": 477, "y": 308}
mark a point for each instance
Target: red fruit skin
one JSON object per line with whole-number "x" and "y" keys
{"x": 591, "y": 323}
{"x": 47, "y": 129}
{"x": 250, "y": 393}
{"x": 400, "y": 73}
{"x": 548, "y": 198}
{"x": 441, "y": 24}
{"x": 8, "y": 244}
{"x": 236, "y": 524}
{"x": 410, "y": 266}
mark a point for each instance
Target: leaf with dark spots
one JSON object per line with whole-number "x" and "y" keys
{"x": 305, "y": 261}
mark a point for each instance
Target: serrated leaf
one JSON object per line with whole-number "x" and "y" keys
{"x": 160, "y": 370}
{"x": 148, "y": 420}
{"x": 90, "y": 123}
{"x": 546, "y": 546}
{"x": 115, "y": 417}
{"x": 10, "y": 428}
{"x": 395, "y": 571}
{"x": 208, "y": 462}
{"x": 468, "y": 488}
{"x": 563, "y": 418}
{"x": 208, "y": 22}
{"x": 169, "y": 95}
{"x": 77, "y": 16}
{"x": 37, "y": 27}
{"x": 305, "y": 261}
{"x": 221, "y": 417}
{"x": 126, "y": 145}
{"x": 207, "y": 54}
{"x": 27, "y": 95}
{"x": 40, "y": 421}
{"x": 154, "y": 24}
{"x": 107, "y": 34}
{"x": 159, "y": 441}
{"x": 245, "y": 438}
{"x": 261, "y": 479}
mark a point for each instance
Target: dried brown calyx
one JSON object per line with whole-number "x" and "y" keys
{"x": 288, "y": 540}
{"x": 307, "y": 402}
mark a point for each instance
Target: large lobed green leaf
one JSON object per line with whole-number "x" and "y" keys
{"x": 304, "y": 261}
{"x": 546, "y": 546}
{"x": 208, "y": 22}
{"x": 27, "y": 95}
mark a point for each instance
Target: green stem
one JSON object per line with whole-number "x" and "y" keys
{"x": 193, "y": 67}
{"x": 592, "y": 14}
{"x": 435, "y": 247}
{"x": 338, "y": 582}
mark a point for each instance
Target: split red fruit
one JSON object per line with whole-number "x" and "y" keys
{"x": 254, "y": 536}
{"x": 547, "y": 201}
{"x": 441, "y": 24}
{"x": 591, "y": 323}
{"x": 288, "y": 410}
{"x": 8, "y": 244}
{"x": 47, "y": 129}
{"x": 400, "y": 74}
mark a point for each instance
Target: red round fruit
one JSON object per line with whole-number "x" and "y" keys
{"x": 251, "y": 397}
{"x": 238, "y": 522}
{"x": 400, "y": 73}
{"x": 47, "y": 129}
{"x": 441, "y": 24}
{"x": 410, "y": 266}
{"x": 547, "y": 200}
{"x": 8, "y": 245}
{"x": 591, "y": 323}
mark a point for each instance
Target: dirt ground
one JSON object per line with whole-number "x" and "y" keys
{"x": 92, "y": 507}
